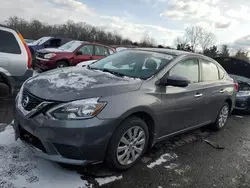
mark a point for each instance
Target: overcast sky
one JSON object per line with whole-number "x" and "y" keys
{"x": 229, "y": 20}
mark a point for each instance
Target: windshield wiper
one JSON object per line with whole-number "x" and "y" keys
{"x": 107, "y": 70}
{"x": 113, "y": 72}
{"x": 110, "y": 71}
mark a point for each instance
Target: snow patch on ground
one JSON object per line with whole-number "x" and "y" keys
{"x": 19, "y": 168}
{"x": 164, "y": 158}
{"x": 182, "y": 171}
{"x": 70, "y": 80}
{"x": 171, "y": 166}
{"x": 103, "y": 181}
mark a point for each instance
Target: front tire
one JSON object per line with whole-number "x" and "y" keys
{"x": 222, "y": 117}
{"x": 61, "y": 64}
{"x": 128, "y": 144}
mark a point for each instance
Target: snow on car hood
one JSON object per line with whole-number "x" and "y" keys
{"x": 78, "y": 83}
{"x": 48, "y": 50}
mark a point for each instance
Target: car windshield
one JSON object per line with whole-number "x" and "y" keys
{"x": 70, "y": 46}
{"x": 40, "y": 41}
{"x": 133, "y": 63}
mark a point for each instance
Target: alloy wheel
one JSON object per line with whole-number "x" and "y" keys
{"x": 223, "y": 116}
{"x": 61, "y": 66}
{"x": 131, "y": 145}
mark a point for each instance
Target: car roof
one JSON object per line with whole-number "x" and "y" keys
{"x": 99, "y": 44}
{"x": 167, "y": 51}
{"x": 173, "y": 52}
{"x": 5, "y": 26}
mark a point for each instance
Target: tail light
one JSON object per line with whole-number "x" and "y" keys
{"x": 236, "y": 86}
{"x": 29, "y": 65}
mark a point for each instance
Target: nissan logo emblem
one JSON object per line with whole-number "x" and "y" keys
{"x": 26, "y": 101}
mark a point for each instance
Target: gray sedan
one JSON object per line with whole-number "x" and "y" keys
{"x": 117, "y": 107}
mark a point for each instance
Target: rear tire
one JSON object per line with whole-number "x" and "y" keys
{"x": 128, "y": 144}
{"x": 61, "y": 64}
{"x": 222, "y": 117}
{"x": 4, "y": 90}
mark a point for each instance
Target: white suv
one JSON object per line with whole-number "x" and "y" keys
{"x": 15, "y": 59}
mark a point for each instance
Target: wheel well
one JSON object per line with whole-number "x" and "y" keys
{"x": 150, "y": 124}
{"x": 64, "y": 60}
{"x": 229, "y": 103}
{"x": 4, "y": 80}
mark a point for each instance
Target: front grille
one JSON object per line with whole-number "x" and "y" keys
{"x": 30, "y": 101}
{"x": 69, "y": 152}
{"x": 40, "y": 55}
{"x": 31, "y": 139}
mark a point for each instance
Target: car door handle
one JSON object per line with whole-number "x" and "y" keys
{"x": 222, "y": 91}
{"x": 198, "y": 95}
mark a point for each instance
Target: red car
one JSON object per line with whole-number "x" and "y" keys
{"x": 70, "y": 54}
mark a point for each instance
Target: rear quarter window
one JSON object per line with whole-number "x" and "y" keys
{"x": 221, "y": 73}
{"x": 8, "y": 43}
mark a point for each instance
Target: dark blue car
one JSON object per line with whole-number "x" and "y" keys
{"x": 239, "y": 70}
{"x": 47, "y": 42}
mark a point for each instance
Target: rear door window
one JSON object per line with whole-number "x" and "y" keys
{"x": 86, "y": 50}
{"x": 8, "y": 43}
{"x": 209, "y": 71}
{"x": 101, "y": 51}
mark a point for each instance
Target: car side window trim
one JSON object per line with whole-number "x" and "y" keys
{"x": 221, "y": 77}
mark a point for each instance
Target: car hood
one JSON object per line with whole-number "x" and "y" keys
{"x": 49, "y": 50}
{"x": 85, "y": 63}
{"x": 75, "y": 83}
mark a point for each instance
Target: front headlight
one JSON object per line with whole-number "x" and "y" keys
{"x": 243, "y": 94}
{"x": 50, "y": 55}
{"x": 81, "y": 109}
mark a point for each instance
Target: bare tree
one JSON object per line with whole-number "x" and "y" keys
{"x": 147, "y": 41}
{"x": 193, "y": 34}
{"x": 206, "y": 40}
{"x": 180, "y": 41}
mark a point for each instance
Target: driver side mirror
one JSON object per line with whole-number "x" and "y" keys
{"x": 78, "y": 53}
{"x": 177, "y": 81}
